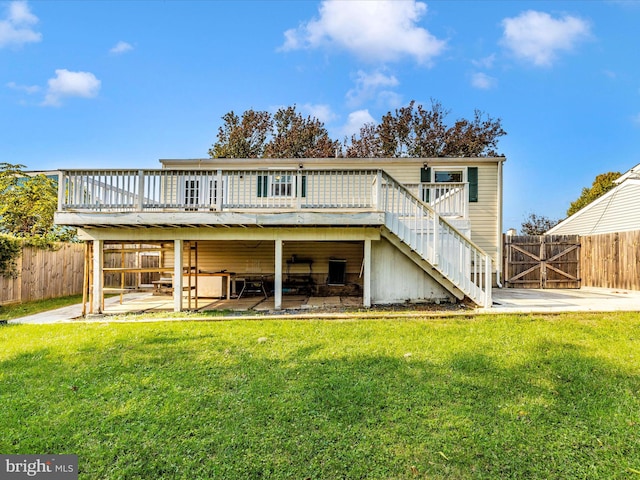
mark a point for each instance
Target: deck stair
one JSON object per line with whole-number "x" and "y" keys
{"x": 284, "y": 198}
{"x": 432, "y": 243}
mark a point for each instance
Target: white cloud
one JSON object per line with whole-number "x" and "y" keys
{"x": 538, "y": 37}
{"x": 71, "y": 84}
{"x": 636, "y": 119}
{"x": 483, "y": 81}
{"x": 382, "y": 30}
{"x": 356, "y": 120}
{"x": 369, "y": 86}
{"x": 120, "y": 47}
{"x": 321, "y": 112}
{"x": 17, "y": 28}
{"x": 486, "y": 62}
{"x": 29, "y": 89}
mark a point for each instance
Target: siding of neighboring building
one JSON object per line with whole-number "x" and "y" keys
{"x": 616, "y": 211}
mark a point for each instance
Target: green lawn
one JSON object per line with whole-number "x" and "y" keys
{"x": 478, "y": 397}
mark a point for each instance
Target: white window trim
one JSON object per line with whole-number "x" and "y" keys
{"x": 448, "y": 169}
{"x": 205, "y": 196}
{"x": 273, "y": 183}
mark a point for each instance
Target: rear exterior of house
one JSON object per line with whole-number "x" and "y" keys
{"x": 389, "y": 230}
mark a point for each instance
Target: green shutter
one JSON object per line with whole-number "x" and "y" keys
{"x": 472, "y": 177}
{"x": 262, "y": 185}
{"x": 425, "y": 177}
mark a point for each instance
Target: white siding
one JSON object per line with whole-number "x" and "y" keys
{"x": 484, "y": 214}
{"x": 616, "y": 211}
{"x": 254, "y": 258}
{"x": 396, "y": 279}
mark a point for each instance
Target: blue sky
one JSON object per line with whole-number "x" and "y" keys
{"x": 110, "y": 84}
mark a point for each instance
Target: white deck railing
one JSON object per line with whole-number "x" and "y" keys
{"x": 420, "y": 227}
{"x": 414, "y": 221}
{"x": 210, "y": 190}
{"x": 448, "y": 199}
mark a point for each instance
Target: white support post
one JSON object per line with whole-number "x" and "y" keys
{"x": 436, "y": 239}
{"x": 219, "y": 191}
{"x": 366, "y": 288}
{"x": 299, "y": 190}
{"x": 488, "y": 301}
{"x": 177, "y": 275}
{"x": 277, "y": 295}
{"x": 465, "y": 201}
{"x": 140, "y": 190}
{"x": 61, "y": 189}
{"x": 98, "y": 273}
{"x": 378, "y": 192}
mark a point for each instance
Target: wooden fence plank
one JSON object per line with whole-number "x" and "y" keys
{"x": 611, "y": 260}
{"x": 544, "y": 261}
{"x": 45, "y": 274}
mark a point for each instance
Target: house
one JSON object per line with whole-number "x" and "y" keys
{"x": 618, "y": 210}
{"x": 389, "y": 230}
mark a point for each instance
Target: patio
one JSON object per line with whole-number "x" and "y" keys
{"x": 147, "y": 303}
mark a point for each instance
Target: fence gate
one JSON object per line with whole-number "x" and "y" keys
{"x": 542, "y": 261}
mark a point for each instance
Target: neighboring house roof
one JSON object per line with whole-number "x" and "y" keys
{"x": 618, "y": 210}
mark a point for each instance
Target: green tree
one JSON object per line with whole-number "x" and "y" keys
{"x": 537, "y": 224}
{"x": 27, "y": 206}
{"x": 601, "y": 185}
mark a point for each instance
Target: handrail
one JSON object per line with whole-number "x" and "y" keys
{"x": 450, "y": 199}
{"x": 214, "y": 190}
{"x": 414, "y": 222}
{"x": 420, "y": 227}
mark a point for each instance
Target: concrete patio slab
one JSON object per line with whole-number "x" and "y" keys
{"x": 506, "y": 301}
{"x": 586, "y": 299}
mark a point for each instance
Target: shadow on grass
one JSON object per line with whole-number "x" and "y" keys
{"x": 166, "y": 405}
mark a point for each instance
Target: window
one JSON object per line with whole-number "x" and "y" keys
{"x": 448, "y": 176}
{"x": 196, "y": 197}
{"x": 191, "y": 193}
{"x": 281, "y": 185}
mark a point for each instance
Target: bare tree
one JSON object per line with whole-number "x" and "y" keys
{"x": 537, "y": 224}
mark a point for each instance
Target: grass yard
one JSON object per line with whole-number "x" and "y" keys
{"x": 479, "y": 397}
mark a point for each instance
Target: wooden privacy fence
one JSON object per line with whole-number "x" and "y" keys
{"x": 611, "y": 260}
{"x": 542, "y": 261}
{"x": 45, "y": 274}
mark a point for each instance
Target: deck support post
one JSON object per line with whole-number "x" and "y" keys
{"x": 366, "y": 288}
{"x": 98, "y": 275}
{"x": 177, "y": 274}
{"x": 277, "y": 294}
